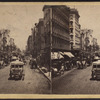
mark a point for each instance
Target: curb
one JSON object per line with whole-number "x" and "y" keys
{"x": 44, "y": 74}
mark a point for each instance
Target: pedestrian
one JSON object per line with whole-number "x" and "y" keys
{"x": 78, "y": 62}
{"x": 59, "y": 66}
{"x": 62, "y": 68}
{"x": 33, "y": 63}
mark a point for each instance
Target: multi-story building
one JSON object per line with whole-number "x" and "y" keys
{"x": 41, "y": 42}
{"x": 29, "y": 44}
{"x": 38, "y": 38}
{"x": 74, "y": 27}
{"x": 56, "y": 27}
{"x": 42, "y": 35}
{"x": 56, "y": 30}
{"x": 34, "y": 40}
{"x": 86, "y": 39}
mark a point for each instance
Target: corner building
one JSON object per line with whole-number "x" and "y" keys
{"x": 56, "y": 23}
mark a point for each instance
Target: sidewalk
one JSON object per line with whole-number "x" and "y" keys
{"x": 65, "y": 73}
{"x": 47, "y": 75}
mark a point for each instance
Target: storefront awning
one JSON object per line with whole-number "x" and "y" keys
{"x": 69, "y": 54}
{"x": 56, "y": 55}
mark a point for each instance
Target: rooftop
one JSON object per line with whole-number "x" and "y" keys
{"x": 74, "y": 11}
{"x": 55, "y": 6}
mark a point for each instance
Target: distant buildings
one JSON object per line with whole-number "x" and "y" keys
{"x": 38, "y": 38}
{"x": 86, "y": 39}
{"x": 95, "y": 44}
{"x": 4, "y": 38}
{"x": 7, "y": 45}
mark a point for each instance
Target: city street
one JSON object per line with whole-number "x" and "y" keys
{"x": 77, "y": 81}
{"x": 34, "y": 82}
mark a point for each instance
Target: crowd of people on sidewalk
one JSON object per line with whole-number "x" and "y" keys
{"x": 83, "y": 60}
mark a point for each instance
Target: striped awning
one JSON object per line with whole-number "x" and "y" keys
{"x": 69, "y": 54}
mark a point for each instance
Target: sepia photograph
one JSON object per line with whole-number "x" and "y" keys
{"x": 50, "y": 48}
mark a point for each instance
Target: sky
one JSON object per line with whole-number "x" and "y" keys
{"x": 19, "y": 19}
{"x": 90, "y": 18}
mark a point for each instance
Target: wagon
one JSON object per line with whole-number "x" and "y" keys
{"x": 17, "y": 70}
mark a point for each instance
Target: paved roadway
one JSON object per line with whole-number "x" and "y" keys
{"x": 77, "y": 81}
{"x": 34, "y": 83}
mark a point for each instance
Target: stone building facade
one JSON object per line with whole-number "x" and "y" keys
{"x": 74, "y": 27}
{"x": 56, "y": 23}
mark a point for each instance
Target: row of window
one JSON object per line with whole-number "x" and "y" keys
{"x": 77, "y": 44}
{"x": 76, "y": 19}
{"x": 60, "y": 16}
{"x": 60, "y": 30}
{"x": 76, "y": 23}
{"x": 61, "y": 21}
{"x": 56, "y": 23}
{"x": 77, "y": 27}
{"x": 61, "y": 36}
{"x": 77, "y": 40}
{"x": 60, "y": 41}
{"x": 62, "y": 13}
{"x": 77, "y": 35}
